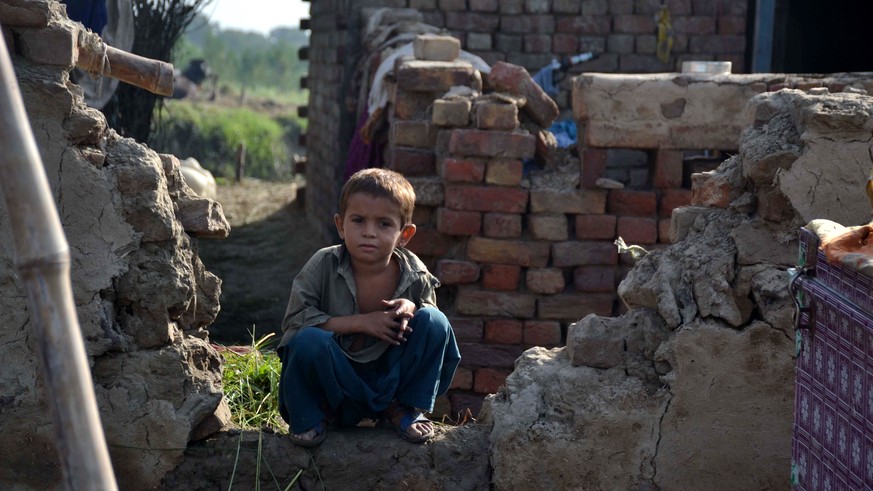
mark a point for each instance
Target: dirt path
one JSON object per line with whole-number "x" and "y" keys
{"x": 270, "y": 240}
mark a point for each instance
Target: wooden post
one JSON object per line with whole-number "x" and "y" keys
{"x": 240, "y": 161}
{"x": 42, "y": 258}
{"x": 156, "y": 76}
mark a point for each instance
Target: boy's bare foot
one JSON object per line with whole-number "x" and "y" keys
{"x": 311, "y": 437}
{"x": 410, "y": 423}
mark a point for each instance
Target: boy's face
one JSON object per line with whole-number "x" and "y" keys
{"x": 372, "y": 228}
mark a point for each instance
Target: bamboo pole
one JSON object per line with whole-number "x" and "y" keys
{"x": 97, "y": 57}
{"x": 43, "y": 264}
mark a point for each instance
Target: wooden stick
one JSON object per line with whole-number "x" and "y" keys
{"x": 43, "y": 264}
{"x": 97, "y": 57}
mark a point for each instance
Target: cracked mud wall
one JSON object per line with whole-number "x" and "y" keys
{"x": 693, "y": 387}
{"x": 142, "y": 295}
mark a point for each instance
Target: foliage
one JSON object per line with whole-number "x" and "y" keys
{"x": 251, "y": 385}
{"x": 212, "y": 134}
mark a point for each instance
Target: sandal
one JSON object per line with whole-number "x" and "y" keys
{"x": 320, "y": 435}
{"x": 409, "y": 417}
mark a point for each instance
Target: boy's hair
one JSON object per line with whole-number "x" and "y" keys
{"x": 381, "y": 183}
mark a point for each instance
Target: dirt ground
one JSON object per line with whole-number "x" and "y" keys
{"x": 270, "y": 240}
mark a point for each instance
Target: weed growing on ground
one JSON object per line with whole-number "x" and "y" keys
{"x": 251, "y": 385}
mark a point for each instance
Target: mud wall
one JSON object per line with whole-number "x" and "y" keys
{"x": 142, "y": 295}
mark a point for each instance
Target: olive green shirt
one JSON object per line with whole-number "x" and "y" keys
{"x": 325, "y": 288}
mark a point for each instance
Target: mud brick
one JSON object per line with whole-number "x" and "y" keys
{"x": 621, "y": 6}
{"x": 412, "y": 162}
{"x": 620, "y": 43}
{"x": 633, "y": 24}
{"x": 462, "y": 170}
{"x": 548, "y": 281}
{"x": 484, "y": 5}
{"x": 503, "y": 277}
{"x": 672, "y": 199}
{"x": 467, "y": 328}
{"x": 593, "y": 166}
{"x": 637, "y": 230}
{"x": 566, "y": 6}
{"x": 504, "y": 172}
{"x": 565, "y": 44}
{"x": 524, "y": 24}
{"x": 664, "y": 230}
{"x": 584, "y": 253}
{"x": 453, "y": 272}
{"x": 56, "y": 45}
{"x": 25, "y": 14}
{"x": 585, "y": 25}
{"x": 479, "y": 41}
{"x": 717, "y": 44}
{"x": 595, "y": 7}
{"x": 416, "y": 134}
{"x": 432, "y": 47}
{"x": 646, "y": 44}
{"x": 412, "y": 105}
{"x": 634, "y": 203}
{"x": 595, "y": 227}
{"x": 501, "y": 251}
{"x": 450, "y": 5}
{"x": 482, "y": 198}
{"x": 538, "y": 43}
{"x": 463, "y": 379}
{"x": 503, "y": 331}
{"x": 594, "y": 279}
{"x": 434, "y": 76}
{"x": 454, "y": 222}
{"x": 482, "y": 143}
{"x": 493, "y": 115}
{"x": 427, "y": 241}
{"x": 583, "y": 201}
{"x": 573, "y": 307}
{"x": 451, "y": 112}
{"x": 548, "y": 227}
{"x": 711, "y": 189}
{"x": 501, "y": 225}
{"x": 472, "y": 21}
{"x": 506, "y": 304}
{"x": 541, "y": 333}
{"x": 489, "y": 380}
{"x": 668, "y": 169}
{"x": 506, "y": 77}
{"x": 508, "y": 43}
{"x": 694, "y": 24}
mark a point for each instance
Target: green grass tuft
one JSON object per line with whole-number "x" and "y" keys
{"x": 251, "y": 385}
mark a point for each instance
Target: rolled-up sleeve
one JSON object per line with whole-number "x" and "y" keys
{"x": 304, "y": 305}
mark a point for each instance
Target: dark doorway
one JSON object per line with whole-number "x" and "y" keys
{"x": 815, "y": 36}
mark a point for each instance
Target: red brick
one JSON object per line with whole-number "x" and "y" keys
{"x": 481, "y": 198}
{"x": 593, "y": 166}
{"x": 664, "y": 230}
{"x": 585, "y": 25}
{"x": 482, "y": 143}
{"x": 454, "y": 222}
{"x": 491, "y": 303}
{"x": 679, "y": 7}
{"x": 594, "y": 279}
{"x": 711, "y": 189}
{"x": 501, "y": 225}
{"x": 463, "y": 379}
{"x": 503, "y": 331}
{"x": 412, "y": 105}
{"x": 451, "y": 112}
{"x": 434, "y": 76}
{"x": 452, "y": 272}
{"x": 450, "y": 5}
{"x": 565, "y": 44}
{"x": 574, "y": 307}
{"x": 428, "y": 242}
{"x": 583, "y": 201}
{"x": 731, "y": 24}
{"x": 504, "y": 172}
{"x": 522, "y": 253}
{"x": 548, "y": 281}
{"x": 489, "y": 380}
{"x": 467, "y": 328}
{"x": 634, "y": 203}
{"x": 484, "y": 5}
{"x": 583, "y": 253}
{"x": 412, "y": 162}
{"x": 525, "y": 24}
{"x": 672, "y": 199}
{"x": 422, "y": 215}
{"x": 493, "y": 115}
{"x": 548, "y": 227}
{"x": 542, "y": 333}
{"x": 462, "y": 170}
{"x": 717, "y": 44}
{"x": 621, "y": 6}
{"x": 503, "y": 277}
{"x": 416, "y": 134}
{"x": 637, "y": 230}
{"x": 595, "y": 227}
{"x": 692, "y": 24}
{"x": 668, "y": 169}
{"x": 633, "y": 24}
{"x": 538, "y": 43}
{"x": 506, "y": 77}
{"x": 472, "y": 21}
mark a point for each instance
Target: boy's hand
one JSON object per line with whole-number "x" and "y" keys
{"x": 403, "y": 309}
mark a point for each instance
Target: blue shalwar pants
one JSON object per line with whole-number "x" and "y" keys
{"x": 318, "y": 379}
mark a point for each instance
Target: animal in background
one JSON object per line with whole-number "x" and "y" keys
{"x": 187, "y": 83}
{"x": 198, "y": 179}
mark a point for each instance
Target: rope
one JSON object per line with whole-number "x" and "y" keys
{"x": 96, "y": 49}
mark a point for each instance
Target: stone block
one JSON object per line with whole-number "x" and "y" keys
{"x": 435, "y": 76}
{"x": 503, "y": 277}
{"x": 548, "y": 281}
{"x": 682, "y": 220}
{"x": 502, "y": 251}
{"x": 501, "y": 225}
{"x": 455, "y": 222}
{"x": 482, "y": 143}
{"x": 595, "y": 227}
{"x": 506, "y": 77}
{"x": 592, "y": 344}
{"x": 503, "y": 331}
{"x": 451, "y": 112}
{"x": 504, "y": 172}
{"x": 495, "y": 115}
{"x": 453, "y": 272}
{"x": 433, "y": 47}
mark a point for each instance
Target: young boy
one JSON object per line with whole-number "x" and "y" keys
{"x": 362, "y": 335}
